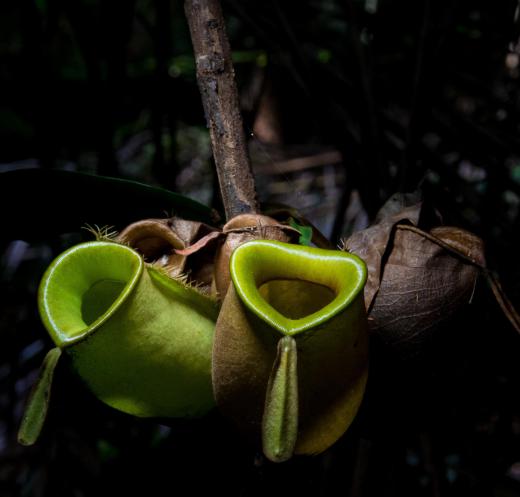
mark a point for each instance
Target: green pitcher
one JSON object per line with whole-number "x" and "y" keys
{"x": 140, "y": 340}
{"x": 290, "y": 358}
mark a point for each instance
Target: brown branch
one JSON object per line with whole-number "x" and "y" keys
{"x": 215, "y": 76}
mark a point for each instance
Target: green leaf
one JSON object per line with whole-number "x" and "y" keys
{"x": 305, "y": 232}
{"x": 280, "y": 420}
{"x": 38, "y": 203}
{"x": 38, "y": 404}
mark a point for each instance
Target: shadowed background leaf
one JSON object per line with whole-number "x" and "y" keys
{"x": 54, "y": 202}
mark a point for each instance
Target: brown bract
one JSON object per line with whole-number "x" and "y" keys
{"x": 242, "y": 229}
{"x": 161, "y": 242}
{"x": 417, "y": 278}
{"x": 200, "y": 252}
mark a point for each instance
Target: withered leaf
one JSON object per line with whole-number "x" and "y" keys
{"x": 372, "y": 244}
{"x": 155, "y": 240}
{"x": 162, "y": 242}
{"x": 417, "y": 279}
{"x": 423, "y": 284}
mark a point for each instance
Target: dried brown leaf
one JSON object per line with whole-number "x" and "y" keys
{"x": 372, "y": 244}
{"x": 422, "y": 285}
{"x": 163, "y": 241}
{"x": 417, "y": 279}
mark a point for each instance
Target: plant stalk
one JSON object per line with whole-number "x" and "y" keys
{"x": 216, "y": 80}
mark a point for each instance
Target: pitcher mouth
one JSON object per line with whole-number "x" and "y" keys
{"x": 256, "y": 263}
{"x": 84, "y": 287}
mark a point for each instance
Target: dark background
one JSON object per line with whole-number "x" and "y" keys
{"x": 345, "y": 102}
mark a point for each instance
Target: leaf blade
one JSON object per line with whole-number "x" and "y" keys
{"x": 65, "y": 201}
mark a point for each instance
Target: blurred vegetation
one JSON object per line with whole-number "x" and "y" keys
{"x": 345, "y": 102}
